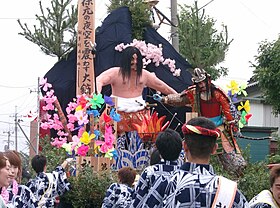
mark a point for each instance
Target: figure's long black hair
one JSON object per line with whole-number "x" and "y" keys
{"x": 125, "y": 66}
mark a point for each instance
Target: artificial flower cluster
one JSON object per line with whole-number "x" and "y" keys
{"x": 151, "y": 54}
{"x": 82, "y": 114}
{"x": 244, "y": 107}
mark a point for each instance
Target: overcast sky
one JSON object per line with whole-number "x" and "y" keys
{"x": 249, "y": 22}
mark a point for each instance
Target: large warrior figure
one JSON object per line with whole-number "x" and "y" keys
{"x": 211, "y": 102}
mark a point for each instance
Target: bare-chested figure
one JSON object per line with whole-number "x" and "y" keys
{"x": 128, "y": 82}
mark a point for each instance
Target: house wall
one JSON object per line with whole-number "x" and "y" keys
{"x": 269, "y": 118}
{"x": 257, "y": 111}
{"x": 262, "y": 115}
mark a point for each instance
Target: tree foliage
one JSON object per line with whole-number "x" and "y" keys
{"x": 56, "y": 34}
{"x": 89, "y": 188}
{"x": 200, "y": 43}
{"x": 267, "y": 72}
{"x": 140, "y": 13}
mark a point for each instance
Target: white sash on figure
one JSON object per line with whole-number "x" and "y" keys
{"x": 225, "y": 193}
{"x": 130, "y": 104}
{"x": 264, "y": 196}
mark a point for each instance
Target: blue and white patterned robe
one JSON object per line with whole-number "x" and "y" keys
{"x": 194, "y": 185}
{"x": 40, "y": 184}
{"x": 23, "y": 199}
{"x": 150, "y": 174}
{"x": 118, "y": 196}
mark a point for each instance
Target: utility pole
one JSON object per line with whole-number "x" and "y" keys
{"x": 38, "y": 116}
{"x": 37, "y": 90}
{"x": 16, "y": 139}
{"x": 174, "y": 30}
{"x": 9, "y": 136}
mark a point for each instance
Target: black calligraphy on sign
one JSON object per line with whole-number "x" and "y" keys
{"x": 219, "y": 205}
{"x": 84, "y": 40}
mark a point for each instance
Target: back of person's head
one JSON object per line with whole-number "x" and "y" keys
{"x": 15, "y": 160}
{"x": 127, "y": 175}
{"x": 38, "y": 163}
{"x": 125, "y": 65}
{"x": 274, "y": 174}
{"x": 169, "y": 144}
{"x": 155, "y": 157}
{"x": 200, "y": 135}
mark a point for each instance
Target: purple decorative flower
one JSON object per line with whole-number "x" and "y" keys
{"x": 108, "y": 100}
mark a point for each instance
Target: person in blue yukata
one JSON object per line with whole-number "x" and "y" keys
{"x": 47, "y": 186}
{"x": 169, "y": 145}
{"x": 195, "y": 184}
{"x": 119, "y": 195}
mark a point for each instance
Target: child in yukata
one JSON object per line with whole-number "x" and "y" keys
{"x": 120, "y": 194}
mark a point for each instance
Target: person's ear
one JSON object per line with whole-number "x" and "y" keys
{"x": 184, "y": 146}
{"x": 214, "y": 150}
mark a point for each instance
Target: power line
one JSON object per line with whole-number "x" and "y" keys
{"x": 6, "y": 86}
{"x": 9, "y": 102}
{"x": 16, "y": 18}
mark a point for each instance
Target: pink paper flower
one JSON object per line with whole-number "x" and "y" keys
{"x": 58, "y": 142}
{"x": 151, "y": 54}
{"x": 43, "y": 83}
{"x": 107, "y": 144}
{"x": 82, "y": 150}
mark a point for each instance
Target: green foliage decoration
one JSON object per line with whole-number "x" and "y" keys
{"x": 89, "y": 188}
{"x": 255, "y": 179}
{"x": 200, "y": 43}
{"x": 267, "y": 72}
{"x": 140, "y": 13}
{"x": 55, "y": 156}
{"x": 56, "y": 34}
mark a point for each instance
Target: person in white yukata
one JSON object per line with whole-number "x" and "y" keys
{"x": 269, "y": 198}
{"x": 195, "y": 184}
{"x": 47, "y": 186}
{"x": 17, "y": 195}
{"x": 169, "y": 145}
{"x": 119, "y": 195}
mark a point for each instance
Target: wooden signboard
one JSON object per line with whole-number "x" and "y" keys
{"x": 96, "y": 163}
{"x": 86, "y": 37}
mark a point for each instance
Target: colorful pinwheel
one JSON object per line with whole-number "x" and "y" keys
{"x": 108, "y": 100}
{"x": 114, "y": 115}
{"x": 244, "y": 118}
{"x": 233, "y": 87}
{"x": 109, "y": 139}
{"x": 96, "y": 101}
{"x": 112, "y": 153}
{"x": 246, "y": 106}
{"x": 86, "y": 138}
{"x": 242, "y": 90}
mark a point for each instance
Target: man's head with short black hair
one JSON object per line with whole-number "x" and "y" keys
{"x": 199, "y": 145}
{"x": 38, "y": 163}
{"x": 169, "y": 144}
